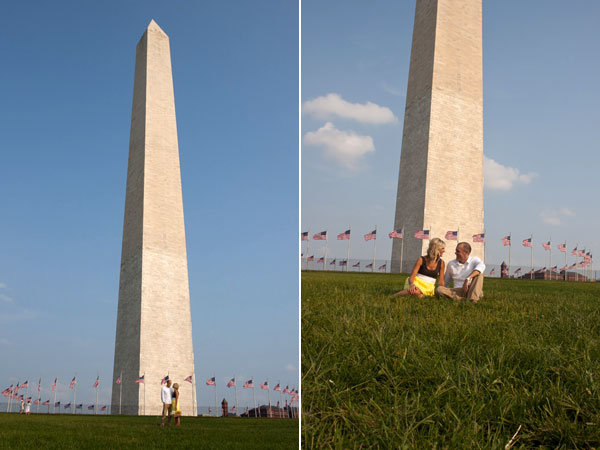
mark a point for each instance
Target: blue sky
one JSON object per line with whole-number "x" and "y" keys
{"x": 66, "y": 89}
{"x": 540, "y": 121}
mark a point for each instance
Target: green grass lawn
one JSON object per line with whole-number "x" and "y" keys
{"x": 111, "y": 432}
{"x": 391, "y": 373}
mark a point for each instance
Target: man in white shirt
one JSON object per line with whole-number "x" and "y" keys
{"x": 166, "y": 396}
{"x": 467, "y": 273}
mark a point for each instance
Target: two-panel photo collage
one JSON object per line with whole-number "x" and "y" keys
{"x": 309, "y": 224}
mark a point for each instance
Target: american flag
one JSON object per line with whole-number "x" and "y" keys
{"x": 369, "y": 266}
{"x": 140, "y": 379}
{"x": 211, "y": 382}
{"x": 382, "y": 267}
{"x": 479, "y": 237}
{"x": 422, "y": 234}
{"x": 332, "y": 263}
{"x": 492, "y": 271}
{"x": 231, "y": 383}
{"x": 579, "y": 253}
{"x": 553, "y": 269}
{"x": 91, "y": 407}
{"x": 506, "y": 240}
{"x": 322, "y": 236}
{"x": 24, "y": 385}
{"x": 286, "y": 390}
{"x": 451, "y": 235}
{"x": 562, "y": 247}
{"x": 563, "y": 268}
{"x": 356, "y": 265}
{"x": 517, "y": 271}
{"x": 546, "y": 245}
{"x": 103, "y": 408}
{"x": 40, "y": 385}
{"x": 580, "y": 264}
{"x": 543, "y": 269}
{"x": 28, "y": 399}
{"x": 304, "y": 236}
{"x": 54, "y": 384}
{"x": 118, "y": 380}
{"x": 97, "y": 382}
{"x": 264, "y": 385}
{"x": 311, "y": 258}
{"x": 73, "y": 381}
{"x": 232, "y": 409}
{"x": 249, "y": 384}
{"x": 572, "y": 266}
{"x": 321, "y": 259}
{"x": 574, "y": 251}
{"x": 344, "y": 235}
{"x": 79, "y": 406}
{"x": 527, "y": 242}
{"x": 396, "y": 234}
{"x": 68, "y": 405}
{"x": 277, "y": 387}
{"x": 164, "y": 380}
{"x": 371, "y": 235}
{"x": 46, "y": 403}
{"x": 343, "y": 263}
{"x": 188, "y": 379}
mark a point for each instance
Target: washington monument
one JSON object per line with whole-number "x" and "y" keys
{"x": 154, "y": 327}
{"x": 440, "y": 184}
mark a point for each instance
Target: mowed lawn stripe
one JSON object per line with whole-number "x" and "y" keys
{"x": 384, "y": 372}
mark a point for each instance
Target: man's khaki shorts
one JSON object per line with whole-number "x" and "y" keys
{"x": 166, "y": 409}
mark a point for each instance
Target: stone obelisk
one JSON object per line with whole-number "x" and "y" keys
{"x": 440, "y": 185}
{"x": 154, "y": 327}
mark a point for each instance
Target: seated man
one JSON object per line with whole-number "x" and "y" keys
{"x": 467, "y": 273}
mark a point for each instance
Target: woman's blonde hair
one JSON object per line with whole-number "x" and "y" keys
{"x": 433, "y": 252}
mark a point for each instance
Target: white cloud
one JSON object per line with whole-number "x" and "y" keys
{"x": 333, "y": 105}
{"x": 503, "y": 178}
{"x": 290, "y": 367}
{"x": 345, "y": 147}
{"x": 6, "y": 298}
{"x": 554, "y": 216}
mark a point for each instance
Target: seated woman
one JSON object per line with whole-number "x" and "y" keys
{"x": 427, "y": 269}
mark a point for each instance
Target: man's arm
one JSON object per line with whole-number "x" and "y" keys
{"x": 478, "y": 269}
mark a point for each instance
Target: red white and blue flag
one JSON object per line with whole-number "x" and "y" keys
{"x": 369, "y": 266}
{"x": 73, "y": 382}
{"x": 343, "y": 236}
{"x": 546, "y": 245}
{"x": 311, "y": 258}
{"x": 304, "y": 236}
{"x": 188, "y": 379}
{"x": 91, "y": 407}
{"x": 264, "y": 385}
{"x": 97, "y": 382}
{"x": 103, "y": 408}
{"x": 527, "y": 242}
{"x": 422, "y": 234}
{"x": 396, "y": 234}
{"x": 479, "y": 237}
{"x": 332, "y": 263}
{"x": 57, "y": 403}
{"x": 321, "y": 259}
{"x": 79, "y": 406}
{"x": 356, "y": 265}
{"x": 46, "y": 403}
{"x": 249, "y": 384}
{"x": 54, "y": 384}
{"x": 343, "y": 263}
{"x": 286, "y": 390}
{"x": 451, "y": 236}
{"x": 211, "y": 382}
{"x": 574, "y": 251}
{"x": 371, "y": 235}
{"x": 118, "y": 380}
{"x": 141, "y": 379}
{"x": 492, "y": 271}
{"x": 579, "y": 253}
{"x": 231, "y": 383}
{"x": 40, "y": 385}
{"x": 382, "y": 267}
{"x": 68, "y": 405}
{"x": 506, "y": 240}
{"x": 24, "y": 385}
{"x": 517, "y": 271}
{"x": 277, "y": 387}
{"x": 562, "y": 247}
{"x": 164, "y": 380}
{"x": 322, "y": 236}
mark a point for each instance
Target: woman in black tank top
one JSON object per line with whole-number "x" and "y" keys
{"x": 427, "y": 269}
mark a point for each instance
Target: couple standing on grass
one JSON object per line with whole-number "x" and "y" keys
{"x": 466, "y": 272}
{"x": 170, "y": 400}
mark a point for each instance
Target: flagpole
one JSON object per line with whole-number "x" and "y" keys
{"x": 565, "y": 260}
{"x": 54, "y": 407}
{"x": 145, "y": 393}
{"x": 550, "y": 266}
{"x": 269, "y": 397}
{"x": 194, "y": 407}
{"x": 348, "y": 257}
{"x": 509, "y": 246}
{"x": 236, "y": 400}
{"x": 374, "y": 249}
{"x": 254, "y": 397}
{"x": 531, "y": 272}
{"x": 216, "y": 409}
{"x": 402, "y": 249}
{"x": 39, "y": 394}
{"x": 307, "y": 246}
{"x": 96, "y": 408}
{"x": 324, "y": 259}
{"x": 484, "y": 246}
{"x": 75, "y": 390}
{"x": 576, "y": 274}
{"x": 120, "y": 390}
